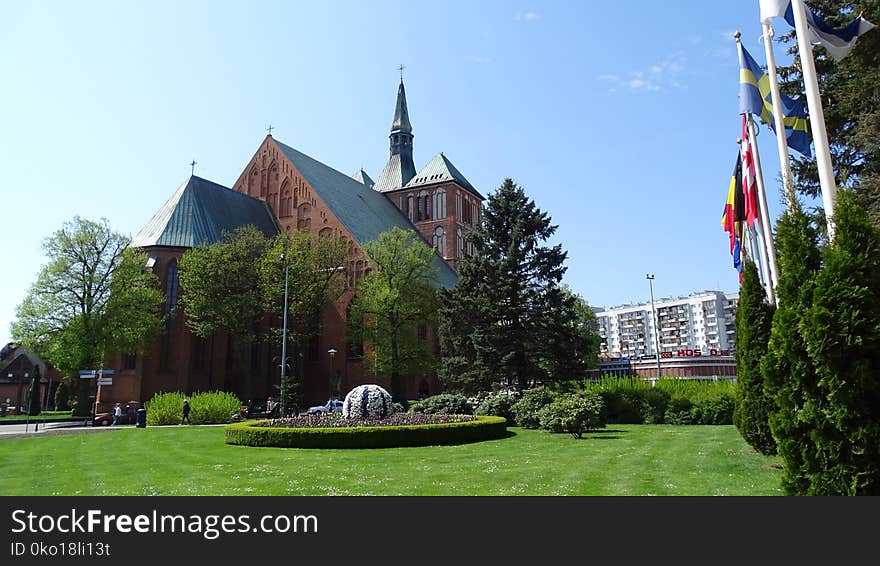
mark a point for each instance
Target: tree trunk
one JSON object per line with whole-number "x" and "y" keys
{"x": 396, "y": 392}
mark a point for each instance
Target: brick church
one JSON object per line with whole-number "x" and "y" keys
{"x": 281, "y": 189}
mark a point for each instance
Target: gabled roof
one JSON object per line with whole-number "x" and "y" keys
{"x": 362, "y": 177}
{"x": 440, "y": 170}
{"x": 363, "y": 211}
{"x": 396, "y": 174}
{"x": 200, "y": 212}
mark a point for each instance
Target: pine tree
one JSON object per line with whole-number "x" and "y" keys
{"x": 842, "y": 332}
{"x": 753, "y": 319}
{"x": 34, "y": 393}
{"x": 789, "y": 377}
{"x": 509, "y": 320}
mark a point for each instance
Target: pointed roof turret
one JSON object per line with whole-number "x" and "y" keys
{"x": 362, "y": 177}
{"x": 401, "y": 114}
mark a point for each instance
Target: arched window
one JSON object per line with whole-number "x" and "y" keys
{"x": 425, "y": 199}
{"x": 460, "y": 239}
{"x": 409, "y": 207}
{"x": 458, "y": 206}
{"x": 171, "y": 286}
{"x": 440, "y": 241}
{"x": 440, "y": 203}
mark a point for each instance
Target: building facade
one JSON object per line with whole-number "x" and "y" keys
{"x": 281, "y": 189}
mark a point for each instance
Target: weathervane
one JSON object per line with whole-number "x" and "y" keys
{"x": 401, "y": 68}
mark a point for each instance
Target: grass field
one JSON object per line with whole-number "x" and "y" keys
{"x": 623, "y": 460}
{"x": 45, "y": 415}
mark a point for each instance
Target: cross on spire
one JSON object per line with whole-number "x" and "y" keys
{"x": 401, "y": 68}
{"x": 193, "y": 165}
{"x": 269, "y": 129}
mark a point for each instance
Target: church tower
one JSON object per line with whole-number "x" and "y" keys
{"x": 400, "y": 168}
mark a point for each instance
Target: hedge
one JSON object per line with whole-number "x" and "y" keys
{"x": 256, "y": 434}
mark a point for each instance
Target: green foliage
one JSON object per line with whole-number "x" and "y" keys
{"x": 841, "y": 330}
{"x": 718, "y": 411}
{"x": 253, "y": 434}
{"x": 789, "y": 376}
{"x": 444, "y": 403}
{"x": 509, "y": 321}
{"x": 215, "y": 407}
{"x": 397, "y": 408}
{"x": 500, "y": 405}
{"x": 574, "y": 414}
{"x": 526, "y": 410}
{"x": 754, "y": 317}
{"x": 92, "y": 297}
{"x": 851, "y": 105}
{"x": 62, "y": 395}
{"x": 679, "y": 412}
{"x": 392, "y": 301}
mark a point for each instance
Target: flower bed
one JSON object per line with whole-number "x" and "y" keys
{"x": 334, "y": 431}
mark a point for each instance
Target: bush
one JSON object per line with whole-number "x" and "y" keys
{"x": 717, "y": 411}
{"x": 679, "y": 412}
{"x": 654, "y": 405}
{"x": 215, "y": 407}
{"x": 397, "y": 408}
{"x": 574, "y": 414}
{"x": 500, "y": 405}
{"x": 257, "y": 434}
{"x": 448, "y": 403}
{"x": 62, "y": 395}
{"x": 525, "y": 411}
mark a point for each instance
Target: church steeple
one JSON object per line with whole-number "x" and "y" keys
{"x": 400, "y": 168}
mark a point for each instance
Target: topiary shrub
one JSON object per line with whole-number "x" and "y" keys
{"x": 525, "y": 411}
{"x": 574, "y": 414}
{"x": 447, "y": 403}
{"x": 259, "y": 434}
{"x": 679, "y": 412}
{"x": 499, "y": 406}
{"x": 367, "y": 402}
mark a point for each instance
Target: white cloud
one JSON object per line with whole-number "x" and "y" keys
{"x": 527, "y": 16}
{"x": 654, "y": 78}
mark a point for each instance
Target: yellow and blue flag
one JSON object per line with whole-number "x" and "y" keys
{"x": 755, "y": 98}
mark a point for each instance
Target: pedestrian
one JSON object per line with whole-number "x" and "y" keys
{"x": 185, "y": 412}
{"x": 117, "y": 413}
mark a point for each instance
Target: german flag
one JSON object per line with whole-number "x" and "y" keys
{"x": 734, "y": 214}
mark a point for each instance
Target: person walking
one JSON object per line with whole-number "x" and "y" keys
{"x": 117, "y": 413}
{"x": 185, "y": 412}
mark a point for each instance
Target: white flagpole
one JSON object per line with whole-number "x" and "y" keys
{"x": 778, "y": 117}
{"x": 817, "y": 116}
{"x": 766, "y": 233}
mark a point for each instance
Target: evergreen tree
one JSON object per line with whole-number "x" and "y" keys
{"x": 509, "y": 320}
{"x": 753, "y": 319}
{"x": 34, "y": 393}
{"x": 842, "y": 333}
{"x": 851, "y": 104}
{"x": 789, "y": 377}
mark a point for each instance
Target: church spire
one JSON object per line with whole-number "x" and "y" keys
{"x": 401, "y": 124}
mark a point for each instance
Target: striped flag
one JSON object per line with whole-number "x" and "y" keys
{"x": 838, "y": 42}
{"x": 734, "y": 214}
{"x": 749, "y": 183}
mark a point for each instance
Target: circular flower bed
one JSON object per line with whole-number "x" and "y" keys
{"x": 335, "y": 431}
{"x": 367, "y": 402}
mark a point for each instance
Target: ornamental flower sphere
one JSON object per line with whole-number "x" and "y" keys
{"x": 367, "y": 402}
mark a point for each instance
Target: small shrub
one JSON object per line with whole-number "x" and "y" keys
{"x": 448, "y": 403}
{"x": 499, "y": 406}
{"x": 679, "y": 412}
{"x": 525, "y": 411}
{"x": 216, "y": 407}
{"x": 654, "y": 405}
{"x": 717, "y": 411}
{"x": 165, "y": 408}
{"x": 574, "y": 414}
{"x": 397, "y": 408}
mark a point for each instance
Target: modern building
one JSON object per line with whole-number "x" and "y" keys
{"x": 281, "y": 189}
{"x": 696, "y": 335}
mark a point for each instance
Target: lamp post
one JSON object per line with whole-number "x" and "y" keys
{"x": 332, "y": 353}
{"x": 284, "y": 337}
{"x": 650, "y": 278}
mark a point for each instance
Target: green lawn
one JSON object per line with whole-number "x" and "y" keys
{"x": 623, "y": 460}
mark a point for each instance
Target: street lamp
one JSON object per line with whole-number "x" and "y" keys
{"x": 333, "y": 386}
{"x": 650, "y": 278}
{"x": 284, "y": 337}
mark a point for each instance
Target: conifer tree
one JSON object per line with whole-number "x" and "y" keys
{"x": 509, "y": 320}
{"x": 789, "y": 377}
{"x": 842, "y": 333}
{"x": 753, "y": 319}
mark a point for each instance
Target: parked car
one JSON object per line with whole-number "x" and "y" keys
{"x": 331, "y": 406}
{"x": 129, "y": 416}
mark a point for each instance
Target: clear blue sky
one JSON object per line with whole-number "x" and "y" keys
{"x": 619, "y": 119}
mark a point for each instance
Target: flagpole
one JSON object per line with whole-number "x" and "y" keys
{"x": 817, "y": 116}
{"x": 778, "y": 119}
{"x": 766, "y": 233}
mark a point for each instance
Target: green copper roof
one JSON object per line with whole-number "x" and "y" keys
{"x": 400, "y": 123}
{"x": 398, "y": 171}
{"x": 440, "y": 170}
{"x": 363, "y": 211}
{"x": 200, "y": 212}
